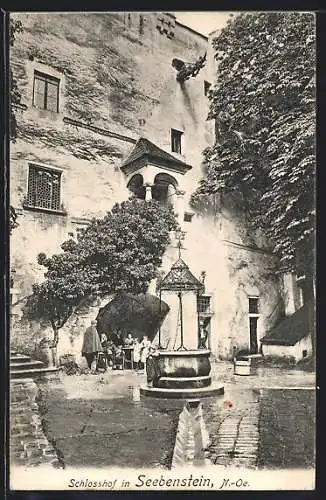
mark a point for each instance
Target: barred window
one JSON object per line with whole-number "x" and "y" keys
{"x": 43, "y": 188}
{"x": 204, "y": 304}
{"x": 46, "y": 92}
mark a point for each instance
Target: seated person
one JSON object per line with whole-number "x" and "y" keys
{"x": 104, "y": 340}
{"x": 129, "y": 341}
{"x": 110, "y": 350}
{"x": 118, "y": 358}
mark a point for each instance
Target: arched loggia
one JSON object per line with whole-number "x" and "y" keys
{"x": 164, "y": 188}
{"x": 136, "y": 186}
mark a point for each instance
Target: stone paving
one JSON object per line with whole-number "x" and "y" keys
{"x": 233, "y": 426}
{"x": 93, "y": 420}
{"x": 261, "y": 422}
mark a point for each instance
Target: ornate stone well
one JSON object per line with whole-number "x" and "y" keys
{"x": 183, "y": 372}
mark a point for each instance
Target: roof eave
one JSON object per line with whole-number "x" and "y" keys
{"x": 175, "y": 165}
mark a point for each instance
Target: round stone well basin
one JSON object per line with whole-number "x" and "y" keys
{"x": 184, "y": 364}
{"x": 183, "y": 375}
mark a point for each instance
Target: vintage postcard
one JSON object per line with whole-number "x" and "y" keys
{"x": 162, "y": 251}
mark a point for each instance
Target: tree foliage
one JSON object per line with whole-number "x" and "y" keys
{"x": 119, "y": 253}
{"x": 12, "y": 219}
{"x": 263, "y": 103}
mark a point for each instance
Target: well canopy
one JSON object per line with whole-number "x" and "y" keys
{"x": 180, "y": 279}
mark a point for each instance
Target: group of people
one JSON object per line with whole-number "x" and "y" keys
{"x": 140, "y": 350}
{"x": 101, "y": 352}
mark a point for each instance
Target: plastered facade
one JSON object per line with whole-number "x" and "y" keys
{"x": 117, "y": 84}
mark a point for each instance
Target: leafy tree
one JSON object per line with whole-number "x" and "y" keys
{"x": 117, "y": 254}
{"x": 65, "y": 286}
{"x": 263, "y": 103}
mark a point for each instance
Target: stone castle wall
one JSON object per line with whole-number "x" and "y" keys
{"x": 117, "y": 84}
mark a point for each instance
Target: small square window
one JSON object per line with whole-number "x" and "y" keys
{"x": 176, "y": 141}
{"x": 46, "y": 92}
{"x": 188, "y": 217}
{"x": 207, "y": 86}
{"x": 204, "y": 304}
{"x": 253, "y": 305}
{"x": 43, "y": 188}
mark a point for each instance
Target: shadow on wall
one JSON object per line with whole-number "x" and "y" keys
{"x": 187, "y": 101}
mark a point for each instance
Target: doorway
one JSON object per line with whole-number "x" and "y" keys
{"x": 253, "y": 324}
{"x": 253, "y": 347}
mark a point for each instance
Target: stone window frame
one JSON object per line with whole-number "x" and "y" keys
{"x": 204, "y": 310}
{"x": 27, "y": 205}
{"x": 177, "y": 138}
{"x": 45, "y": 69}
{"x": 187, "y": 216}
{"x": 302, "y": 283}
{"x": 48, "y": 80}
{"x": 254, "y": 315}
{"x": 251, "y": 312}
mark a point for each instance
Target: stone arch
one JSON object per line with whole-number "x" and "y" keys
{"x": 136, "y": 186}
{"x": 165, "y": 188}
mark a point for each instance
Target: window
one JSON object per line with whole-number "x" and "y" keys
{"x": 188, "y": 217}
{"x": 207, "y": 86}
{"x": 43, "y": 188}
{"x": 204, "y": 304}
{"x": 305, "y": 289}
{"x": 253, "y": 305}
{"x": 176, "y": 141}
{"x": 253, "y": 324}
{"x": 46, "y": 92}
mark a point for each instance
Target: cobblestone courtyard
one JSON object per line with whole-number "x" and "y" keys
{"x": 93, "y": 421}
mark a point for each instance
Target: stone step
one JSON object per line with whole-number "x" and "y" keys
{"x": 26, "y": 365}
{"x": 19, "y": 358}
{"x": 33, "y": 373}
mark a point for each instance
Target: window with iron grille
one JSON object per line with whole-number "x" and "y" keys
{"x": 43, "y": 188}
{"x": 176, "y": 141}
{"x": 46, "y": 92}
{"x": 204, "y": 304}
